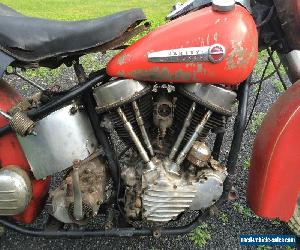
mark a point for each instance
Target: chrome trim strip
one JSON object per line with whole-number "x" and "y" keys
{"x": 214, "y": 53}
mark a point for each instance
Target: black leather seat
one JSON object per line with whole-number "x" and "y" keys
{"x": 31, "y": 39}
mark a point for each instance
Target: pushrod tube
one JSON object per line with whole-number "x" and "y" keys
{"x": 186, "y": 124}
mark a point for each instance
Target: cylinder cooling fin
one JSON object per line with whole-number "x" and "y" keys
{"x": 121, "y": 93}
{"x": 167, "y": 127}
{"x": 145, "y": 104}
{"x": 215, "y": 98}
{"x": 183, "y": 106}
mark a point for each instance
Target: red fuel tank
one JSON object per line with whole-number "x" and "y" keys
{"x": 204, "y": 46}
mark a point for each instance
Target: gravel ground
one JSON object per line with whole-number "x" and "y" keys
{"x": 224, "y": 234}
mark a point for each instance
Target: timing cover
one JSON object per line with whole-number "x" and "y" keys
{"x": 166, "y": 195}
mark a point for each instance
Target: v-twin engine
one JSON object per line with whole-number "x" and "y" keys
{"x": 170, "y": 168}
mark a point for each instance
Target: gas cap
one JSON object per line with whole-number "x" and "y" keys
{"x": 223, "y": 5}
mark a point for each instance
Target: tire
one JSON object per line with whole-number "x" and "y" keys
{"x": 294, "y": 222}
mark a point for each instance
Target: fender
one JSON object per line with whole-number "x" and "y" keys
{"x": 274, "y": 180}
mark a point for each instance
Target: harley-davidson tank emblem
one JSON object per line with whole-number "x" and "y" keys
{"x": 214, "y": 53}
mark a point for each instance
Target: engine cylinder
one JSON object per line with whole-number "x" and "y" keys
{"x": 121, "y": 93}
{"x": 145, "y": 104}
{"x": 177, "y": 171}
{"x": 183, "y": 106}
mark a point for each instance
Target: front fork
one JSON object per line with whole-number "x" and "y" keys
{"x": 291, "y": 62}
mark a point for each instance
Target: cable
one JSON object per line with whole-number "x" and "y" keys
{"x": 277, "y": 68}
{"x": 259, "y": 90}
{"x": 269, "y": 76}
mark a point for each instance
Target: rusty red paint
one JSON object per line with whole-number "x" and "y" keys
{"x": 274, "y": 180}
{"x": 235, "y": 30}
{"x": 11, "y": 153}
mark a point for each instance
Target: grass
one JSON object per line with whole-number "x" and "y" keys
{"x": 256, "y": 122}
{"x": 45, "y": 74}
{"x": 67, "y": 10}
{"x": 246, "y": 164}
{"x": 223, "y": 218}
{"x": 264, "y": 248}
{"x": 278, "y": 86}
{"x": 200, "y": 235}
{"x": 261, "y": 63}
{"x": 243, "y": 210}
{"x": 276, "y": 223}
{"x": 256, "y": 88}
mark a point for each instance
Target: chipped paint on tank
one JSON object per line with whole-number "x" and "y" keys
{"x": 239, "y": 56}
{"x": 201, "y": 69}
{"x": 156, "y": 74}
{"x": 153, "y": 74}
{"x": 235, "y": 57}
{"x": 122, "y": 59}
{"x": 216, "y": 37}
{"x": 187, "y": 65}
{"x": 181, "y": 75}
{"x": 208, "y": 39}
{"x": 122, "y": 74}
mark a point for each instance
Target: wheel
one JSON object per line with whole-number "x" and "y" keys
{"x": 294, "y": 222}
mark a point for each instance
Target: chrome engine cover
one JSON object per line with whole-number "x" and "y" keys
{"x": 166, "y": 196}
{"x": 118, "y": 92}
{"x": 209, "y": 187}
{"x": 15, "y": 190}
{"x": 213, "y": 97}
{"x": 62, "y": 137}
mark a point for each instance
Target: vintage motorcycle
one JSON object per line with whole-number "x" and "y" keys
{"x": 168, "y": 98}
